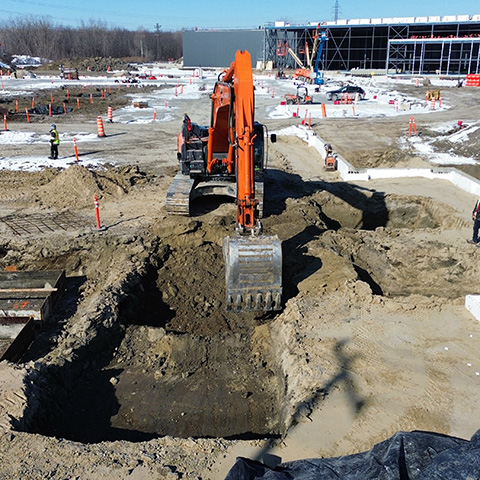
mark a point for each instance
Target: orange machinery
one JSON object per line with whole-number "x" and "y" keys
{"x": 229, "y": 156}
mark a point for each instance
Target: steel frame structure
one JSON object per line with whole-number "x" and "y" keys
{"x": 448, "y": 47}
{"x": 434, "y": 55}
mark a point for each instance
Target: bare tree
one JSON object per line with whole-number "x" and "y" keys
{"x": 41, "y": 38}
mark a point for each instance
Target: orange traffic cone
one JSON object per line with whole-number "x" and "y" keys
{"x": 101, "y": 131}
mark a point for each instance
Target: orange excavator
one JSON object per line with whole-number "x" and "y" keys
{"x": 229, "y": 156}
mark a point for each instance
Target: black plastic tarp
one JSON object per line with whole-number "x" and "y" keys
{"x": 45, "y": 110}
{"x": 405, "y": 456}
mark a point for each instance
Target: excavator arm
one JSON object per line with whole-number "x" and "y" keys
{"x": 233, "y": 123}
{"x": 229, "y": 155}
{"x": 253, "y": 260}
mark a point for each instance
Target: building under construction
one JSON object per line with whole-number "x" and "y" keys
{"x": 414, "y": 45}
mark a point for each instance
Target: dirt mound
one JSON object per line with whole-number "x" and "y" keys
{"x": 76, "y": 186}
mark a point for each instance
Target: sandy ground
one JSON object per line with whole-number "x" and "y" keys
{"x": 142, "y": 374}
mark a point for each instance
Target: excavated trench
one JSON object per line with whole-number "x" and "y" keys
{"x": 161, "y": 356}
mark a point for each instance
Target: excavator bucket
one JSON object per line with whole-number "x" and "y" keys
{"x": 253, "y": 272}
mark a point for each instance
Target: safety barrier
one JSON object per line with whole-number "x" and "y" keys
{"x": 472, "y": 80}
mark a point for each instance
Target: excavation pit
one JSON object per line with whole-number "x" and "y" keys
{"x": 156, "y": 354}
{"x": 175, "y": 363}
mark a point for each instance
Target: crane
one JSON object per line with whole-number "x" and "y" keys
{"x": 320, "y": 41}
{"x": 312, "y": 73}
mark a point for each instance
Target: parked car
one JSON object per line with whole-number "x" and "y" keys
{"x": 350, "y": 89}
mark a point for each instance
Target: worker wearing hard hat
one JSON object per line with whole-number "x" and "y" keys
{"x": 54, "y": 142}
{"x": 476, "y": 224}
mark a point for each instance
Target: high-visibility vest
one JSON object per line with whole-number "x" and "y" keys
{"x": 56, "y": 137}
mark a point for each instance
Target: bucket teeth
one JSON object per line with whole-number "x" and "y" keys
{"x": 277, "y": 304}
{"x": 258, "y": 301}
{"x": 268, "y": 302}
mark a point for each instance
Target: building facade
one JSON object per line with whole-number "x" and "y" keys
{"x": 415, "y": 45}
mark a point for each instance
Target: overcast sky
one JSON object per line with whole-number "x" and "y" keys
{"x": 171, "y": 15}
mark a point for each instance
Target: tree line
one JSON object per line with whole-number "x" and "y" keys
{"x": 40, "y": 37}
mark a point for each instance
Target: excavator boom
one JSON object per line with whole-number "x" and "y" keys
{"x": 228, "y": 157}
{"x": 253, "y": 261}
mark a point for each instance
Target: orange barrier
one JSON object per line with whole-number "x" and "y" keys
{"x": 75, "y": 148}
{"x": 49, "y": 109}
{"x": 110, "y": 114}
{"x": 101, "y": 131}
{"x": 65, "y": 108}
{"x": 28, "y": 116}
{"x": 304, "y": 121}
{"x": 472, "y": 80}
{"x": 324, "y": 111}
{"x": 346, "y": 98}
{"x": 97, "y": 212}
{"x": 411, "y": 125}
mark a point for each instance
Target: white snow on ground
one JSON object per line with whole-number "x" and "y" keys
{"x": 175, "y": 84}
{"x": 293, "y": 131}
{"x": 16, "y": 138}
{"x": 27, "y": 61}
{"x": 426, "y": 150}
{"x": 35, "y": 164}
{"x": 463, "y": 135}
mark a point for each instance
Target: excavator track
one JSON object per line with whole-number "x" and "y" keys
{"x": 178, "y": 195}
{"x": 253, "y": 272}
